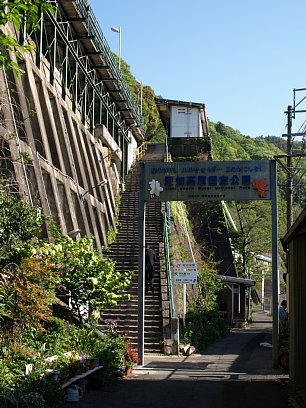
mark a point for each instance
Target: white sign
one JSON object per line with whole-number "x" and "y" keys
{"x": 185, "y": 277}
{"x": 185, "y": 266}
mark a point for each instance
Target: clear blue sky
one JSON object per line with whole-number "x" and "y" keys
{"x": 242, "y": 58}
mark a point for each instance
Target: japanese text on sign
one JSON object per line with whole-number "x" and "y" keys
{"x": 192, "y": 181}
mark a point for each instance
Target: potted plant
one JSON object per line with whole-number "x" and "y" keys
{"x": 130, "y": 356}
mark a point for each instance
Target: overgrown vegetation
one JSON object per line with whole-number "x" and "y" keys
{"x": 32, "y": 272}
{"x": 204, "y": 324}
{"x": 90, "y": 279}
{"x": 144, "y": 95}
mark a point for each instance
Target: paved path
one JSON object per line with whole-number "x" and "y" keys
{"x": 235, "y": 372}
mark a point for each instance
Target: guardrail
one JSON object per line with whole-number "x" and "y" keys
{"x": 140, "y": 151}
{"x": 167, "y": 222}
{"x": 99, "y": 40}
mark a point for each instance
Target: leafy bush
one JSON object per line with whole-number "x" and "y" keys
{"x": 19, "y": 227}
{"x": 89, "y": 278}
{"x": 26, "y": 296}
{"x": 30, "y": 270}
{"x": 203, "y": 329}
{"x": 49, "y": 391}
{"x": 204, "y": 325}
{"x": 110, "y": 354}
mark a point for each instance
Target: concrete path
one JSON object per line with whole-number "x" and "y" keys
{"x": 235, "y": 372}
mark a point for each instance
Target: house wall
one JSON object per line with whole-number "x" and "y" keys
{"x": 297, "y": 312}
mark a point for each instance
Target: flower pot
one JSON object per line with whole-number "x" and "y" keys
{"x": 94, "y": 362}
{"x": 128, "y": 370}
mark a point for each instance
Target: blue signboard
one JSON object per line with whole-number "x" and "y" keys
{"x": 217, "y": 180}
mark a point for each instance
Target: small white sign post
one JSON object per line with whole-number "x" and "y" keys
{"x": 185, "y": 273}
{"x": 186, "y": 277}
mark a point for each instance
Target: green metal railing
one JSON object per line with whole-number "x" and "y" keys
{"x": 167, "y": 225}
{"x": 94, "y": 30}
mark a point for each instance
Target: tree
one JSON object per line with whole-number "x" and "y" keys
{"x": 152, "y": 125}
{"x": 89, "y": 278}
{"x": 27, "y": 283}
{"x": 253, "y": 235}
{"x": 209, "y": 286}
{"x": 19, "y": 228}
{"x": 26, "y": 296}
{"x": 24, "y": 17}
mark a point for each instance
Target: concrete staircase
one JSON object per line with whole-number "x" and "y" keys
{"x": 125, "y": 252}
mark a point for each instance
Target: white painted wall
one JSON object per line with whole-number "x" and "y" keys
{"x": 185, "y": 122}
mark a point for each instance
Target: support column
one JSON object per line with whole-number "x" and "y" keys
{"x": 141, "y": 264}
{"x": 275, "y": 277}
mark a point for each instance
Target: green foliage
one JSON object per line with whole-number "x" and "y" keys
{"x": 253, "y": 221}
{"x": 49, "y": 390}
{"x": 27, "y": 283}
{"x": 230, "y": 144}
{"x": 19, "y": 227}
{"x": 204, "y": 325}
{"x": 24, "y": 16}
{"x": 202, "y": 328}
{"x": 29, "y": 289}
{"x": 110, "y": 352}
{"x": 255, "y": 226}
{"x": 74, "y": 346}
{"x": 152, "y": 126}
{"x": 7, "y": 377}
{"x": 89, "y": 278}
{"x": 208, "y": 286}
{"x": 179, "y": 245}
{"x": 111, "y": 236}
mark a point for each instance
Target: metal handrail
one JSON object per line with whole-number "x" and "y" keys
{"x": 100, "y": 42}
{"x": 167, "y": 222}
{"x": 140, "y": 151}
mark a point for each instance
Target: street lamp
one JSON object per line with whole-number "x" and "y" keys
{"x": 101, "y": 183}
{"x": 118, "y": 30}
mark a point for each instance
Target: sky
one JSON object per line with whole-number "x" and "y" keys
{"x": 241, "y": 58}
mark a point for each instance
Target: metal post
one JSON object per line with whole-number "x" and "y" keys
{"x": 120, "y": 47}
{"x": 141, "y": 97}
{"x": 275, "y": 277}
{"x": 184, "y": 304}
{"x": 263, "y": 290}
{"x": 249, "y": 299}
{"x": 141, "y": 264}
{"x": 193, "y": 260}
{"x": 289, "y": 168}
{"x": 118, "y": 30}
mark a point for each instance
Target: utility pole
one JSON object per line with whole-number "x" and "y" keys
{"x": 289, "y": 180}
{"x": 291, "y": 112}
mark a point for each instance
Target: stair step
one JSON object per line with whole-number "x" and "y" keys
{"x": 125, "y": 254}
